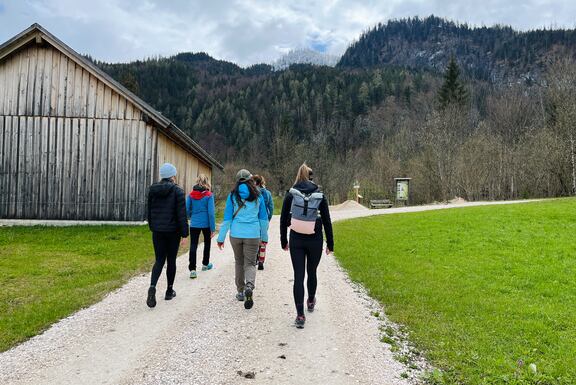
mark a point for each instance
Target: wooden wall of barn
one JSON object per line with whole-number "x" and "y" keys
{"x": 71, "y": 147}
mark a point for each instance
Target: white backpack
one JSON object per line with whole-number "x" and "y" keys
{"x": 305, "y": 210}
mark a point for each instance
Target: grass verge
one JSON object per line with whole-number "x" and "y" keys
{"x": 488, "y": 293}
{"x": 47, "y": 273}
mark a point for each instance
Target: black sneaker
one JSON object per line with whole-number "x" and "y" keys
{"x": 310, "y": 304}
{"x": 299, "y": 322}
{"x": 170, "y": 293}
{"x": 260, "y": 265}
{"x": 151, "y": 300}
{"x": 248, "y": 301}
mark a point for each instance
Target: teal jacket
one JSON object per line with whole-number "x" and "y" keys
{"x": 267, "y": 195}
{"x": 251, "y": 220}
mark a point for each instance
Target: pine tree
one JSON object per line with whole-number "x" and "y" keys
{"x": 453, "y": 90}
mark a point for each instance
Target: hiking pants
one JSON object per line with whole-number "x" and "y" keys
{"x": 166, "y": 249}
{"x": 305, "y": 252}
{"x": 245, "y": 250}
{"x": 194, "y": 237}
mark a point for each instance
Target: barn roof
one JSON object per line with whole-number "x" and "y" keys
{"x": 38, "y": 34}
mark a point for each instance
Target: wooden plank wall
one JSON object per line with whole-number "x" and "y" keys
{"x": 188, "y": 166}
{"x": 71, "y": 147}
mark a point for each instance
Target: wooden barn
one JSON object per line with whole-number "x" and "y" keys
{"x": 74, "y": 143}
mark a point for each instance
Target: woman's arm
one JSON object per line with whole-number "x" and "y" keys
{"x": 263, "y": 218}
{"x": 228, "y": 213}
{"x": 211, "y": 214}
{"x": 327, "y": 223}
{"x": 188, "y": 207}
{"x": 270, "y": 205}
{"x": 285, "y": 219}
{"x": 181, "y": 213}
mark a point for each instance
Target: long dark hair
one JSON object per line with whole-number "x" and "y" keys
{"x": 254, "y": 193}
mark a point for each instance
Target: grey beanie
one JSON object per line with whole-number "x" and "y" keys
{"x": 167, "y": 170}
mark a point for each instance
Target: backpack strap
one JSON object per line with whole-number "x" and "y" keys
{"x": 242, "y": 204}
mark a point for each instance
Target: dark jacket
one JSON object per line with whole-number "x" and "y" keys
{"x": 322, "y": 221}
{"x": 167, "y": 208}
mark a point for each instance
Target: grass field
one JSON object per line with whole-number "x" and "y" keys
{"x": 47, "y": 273}
{"x": 484, "y": 292}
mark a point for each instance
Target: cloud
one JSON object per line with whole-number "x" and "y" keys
{"x": 249, "y": 31}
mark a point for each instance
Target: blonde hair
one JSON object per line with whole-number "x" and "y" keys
{"x": 203, "y": 181}
{"x": 303, "y": 174}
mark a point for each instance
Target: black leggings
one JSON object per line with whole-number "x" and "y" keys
{"x": 194, "y": 237}
{"x": 166, "y": 249}
{"x": 305, "y": 254}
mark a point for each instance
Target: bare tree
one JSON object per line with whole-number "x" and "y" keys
{"x": 562, "y": 94}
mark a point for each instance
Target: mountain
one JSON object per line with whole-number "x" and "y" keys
{"x": 496, "y": 54}
{"x": 305, "y": 56}
{"x": 379, "y": 113}
{"x": 181, "y": 86}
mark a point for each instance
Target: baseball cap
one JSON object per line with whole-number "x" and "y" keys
{"x": 243, "y": 175}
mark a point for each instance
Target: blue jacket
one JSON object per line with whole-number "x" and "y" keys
{"x": 267, "y": 195}
{"x": 200, "y": 208}
{"x": 251, "y": 220}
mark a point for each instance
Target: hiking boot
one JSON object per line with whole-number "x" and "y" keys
{"x": 299, "y": 322}
{"x": 170, "y": 293}
{"x": 248, "y": 301}
{"x": 240, "y": 296}
{"x": 260, "y": 265}
{"x": 151, "y": 300}
{"x": 310, "y": 304}
{"x": 207, "y": 267}
{"x": 193, "y": 274}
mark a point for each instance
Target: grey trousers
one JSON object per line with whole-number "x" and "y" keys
{"x": 245, "y": 254}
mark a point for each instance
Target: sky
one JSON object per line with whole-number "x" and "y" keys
{"x": 250, "y": 31}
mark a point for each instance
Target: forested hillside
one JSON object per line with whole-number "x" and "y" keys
{"x": 497, "y": 54}
{"x": 452, "y": 131}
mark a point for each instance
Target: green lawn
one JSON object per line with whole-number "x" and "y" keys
{"x": 47, "y": 273}
{"x": 478, "y": 289}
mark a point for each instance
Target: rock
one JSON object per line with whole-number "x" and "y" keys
{"x": 533, "y": 368}
{"x": 282, "y": 356}
{"x": 250, "y": 375}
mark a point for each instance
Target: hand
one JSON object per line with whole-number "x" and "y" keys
{"x": 263, "y": 243}
{"x": 328, "y": 251}
{"x": 212, "y": 234}
{"x": 287, "y": 247}
{"x": 221, "y": 245}
{"x": 183, "y": 241}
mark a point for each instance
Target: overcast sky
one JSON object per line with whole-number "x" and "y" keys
{"x": 250, "y": 31}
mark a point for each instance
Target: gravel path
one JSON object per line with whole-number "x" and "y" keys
{"x": 205, "y": 336}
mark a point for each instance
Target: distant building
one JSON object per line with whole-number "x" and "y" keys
{"x": 74, "y": 143}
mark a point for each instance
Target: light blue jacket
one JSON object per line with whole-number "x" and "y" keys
{"x": 251, "y": 220}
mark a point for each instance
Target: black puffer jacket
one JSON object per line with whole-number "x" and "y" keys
{"x": 167, "y": 208}
{"x": 322, "y": 221}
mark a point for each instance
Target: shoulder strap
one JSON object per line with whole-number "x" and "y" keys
{"x": 242, "y": 203}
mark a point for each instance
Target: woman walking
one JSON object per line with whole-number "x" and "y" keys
{"x": 305, "y": 211}
{"x": 269, "y": 202}
{"x": 167, "y": 221}
{"x": 246, "y": 218}
{"x": 200, "y": 211}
